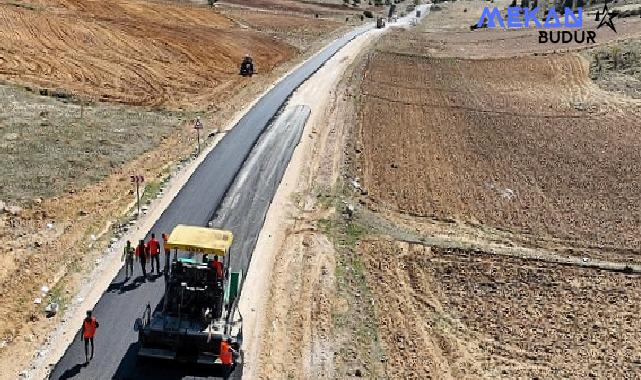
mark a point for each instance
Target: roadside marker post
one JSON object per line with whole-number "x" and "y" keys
{"x": 137, "y": 179}
{"x": 198, "y": 126}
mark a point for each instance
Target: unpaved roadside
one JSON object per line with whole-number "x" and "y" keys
{"x": 289, "y": 296}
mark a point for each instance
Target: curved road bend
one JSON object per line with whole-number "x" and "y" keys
{"x": 195, "y": 204}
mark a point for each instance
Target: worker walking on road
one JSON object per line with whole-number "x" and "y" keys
{"x": 227, "y": 358}
{"x": 154, "y": 252}
{"x": 165, "y": 238}
{"x": 128, "y": 258}
{"x": 141, "y": 253}
{"x": 89, "y": 326}
{"x": 217, "y": 266}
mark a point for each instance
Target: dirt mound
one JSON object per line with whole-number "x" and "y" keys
{"x": 525, "y": 143}
{"x": 134, "y": 52}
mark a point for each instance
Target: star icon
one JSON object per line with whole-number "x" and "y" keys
{"x": 607, "y": 18}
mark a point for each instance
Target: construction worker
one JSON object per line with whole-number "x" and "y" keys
{"x": 141, "y": 254}
{"x": 89, "y": 326}
{"x": 128, "y": 258}
{"x": 165, "y": 238}
{"x": 154, "y": 252}
{"x": 218, "y": 267}
{"x": 227, "y": 358}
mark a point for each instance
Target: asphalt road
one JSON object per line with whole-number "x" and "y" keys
{"x": 195, "y": 204}
{"x": 257, "y": 182}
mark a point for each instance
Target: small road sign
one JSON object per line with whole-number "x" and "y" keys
{"x": 137, "y": 179}
{"x": 198, "y": 125}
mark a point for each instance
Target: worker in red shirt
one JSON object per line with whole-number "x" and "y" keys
{"x": 89, "y": 326}
{"x": 165, "y": 238}
{"x": 154, "y": 252}
{"x": 218, "y": 267}
{"x": 227, "y": 358}
{"x": 141, "y": 254}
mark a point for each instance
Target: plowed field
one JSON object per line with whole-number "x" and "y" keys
{"x": 134, "y": 52}
{"x": 463, "y": 315}
{"x": 527, "y": 143}
{"x": 322, "y": 7}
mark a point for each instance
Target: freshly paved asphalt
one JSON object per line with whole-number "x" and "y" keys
{"x": 195, "y": 204}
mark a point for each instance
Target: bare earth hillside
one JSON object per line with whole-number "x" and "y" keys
{"x": 134, "y": 52}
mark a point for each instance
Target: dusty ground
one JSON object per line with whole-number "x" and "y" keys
{"x": 133, "y": 52}
{"x": 447, "y": 34}
{"x": 320, "y": 7}
{"x": 617, "y": 68}
{"x": 525, "y": 143}
{"x": 470, "y": 177}
{"x": 457, "y": 314}
{"x": 297, "y": 31}
{"x": 70, "y": 173}
{"x": 528, "y": 147}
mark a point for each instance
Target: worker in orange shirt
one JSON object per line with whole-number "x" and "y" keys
{"x": 89, "y": 326}
{"x": 141, "y": 254}
{"x": 154, "y": 252}
{"x": 165, "y": 238}
{"x": 227, "y": 358}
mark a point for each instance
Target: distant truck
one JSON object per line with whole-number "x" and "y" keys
{"x": 380, "y": 23}
{"x": 199, "y": 308}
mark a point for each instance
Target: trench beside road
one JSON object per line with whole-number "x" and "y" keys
{"x": 196, "y": 204}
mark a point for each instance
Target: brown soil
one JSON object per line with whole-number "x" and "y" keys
{"x": 320, "y": 7}
{"x": 296, "y": 30}
{"x": 458, "y": 314}
{"x": 526, "y": 143}
{"x": 521, "y": 158}
{"x": 131, "y": 51}
{"x": 446, "y": 33}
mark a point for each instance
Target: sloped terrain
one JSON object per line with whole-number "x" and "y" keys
{"x": 130, "y": 51}
{"x": 528, "y": 144}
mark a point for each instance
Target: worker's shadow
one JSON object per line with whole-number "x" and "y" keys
{"x": 154, "y": 277}
{"x": 72, "y": 372}
{"x": 123, "y": 286}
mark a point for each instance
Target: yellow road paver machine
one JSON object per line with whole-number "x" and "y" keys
{"x": 199, "y": 307}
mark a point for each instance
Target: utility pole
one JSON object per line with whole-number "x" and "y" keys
{"x": 198, "y": 126}
{"x": 137, "y": 179}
